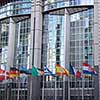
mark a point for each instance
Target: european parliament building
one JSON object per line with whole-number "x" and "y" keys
{"x": 50, "y": 32}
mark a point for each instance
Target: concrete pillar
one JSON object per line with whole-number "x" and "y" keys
{"x": 96, "y": 84}
{"x": 96, "y": 37}
{"x": 67, "y": 37}
{"x": 66, "y": 93}
{"x": 32, "y": 35}
{"x": 11, "y": 44}
{"x": 35, "y": 48}
{"x": 36, "y": 33}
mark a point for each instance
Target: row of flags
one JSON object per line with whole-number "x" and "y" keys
{"x": 87, "y": 70}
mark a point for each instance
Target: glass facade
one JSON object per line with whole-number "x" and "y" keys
{"x": 52, "y": 52}
{"x": 4, "y": 31}
{"x": 15, "y": 8}
{"x": 53, "y": 43}
{"x": 53, "y": 40}
{"x": 22, "y": 43}
{"x": 52, "y": 4}
{"x": 81, "y": 39}
{"x": 81, "y": 49}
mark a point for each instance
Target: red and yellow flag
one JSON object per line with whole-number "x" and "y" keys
{"x": 61, "y": 70}
{"x": 14, "y": 73}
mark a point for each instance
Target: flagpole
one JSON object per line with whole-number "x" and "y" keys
{"x": 82, "y": 86}
{"x": 55, "y": 90}
{"x": 18, "y": 88}
{"x": 5, "y": 71}
{"x": 63, "y": 87}
{"x": 30, "y": 93}
{"x": 34, "y": 21}
{"x": 68, "y": 88}
{"x": 43, "y": 89}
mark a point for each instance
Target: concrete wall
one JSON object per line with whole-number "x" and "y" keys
{"x": 11, "y": 44}
{"x": 35, "y": 48}
{"x": 96, "y": 37}
{"x": 36, "y": 33}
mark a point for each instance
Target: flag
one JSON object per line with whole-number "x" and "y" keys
{"x": 22, "y": 69}
{"x": 87, "y": 75}
{"x": 40, "y": 72}
{"x": 3, "y": 75}
{"x": 47, "y": 72}
{"x": 14, "y": 73}
{"x": 61, "y": 70}
{"x": 78, "y": 74}
{"x": 87, "y": 69}
{"x": 34, "y": 71}
{"x": 29, "y": 71}
{"x": 14, "y": 68}
{"x": 2, "y": 71}
{"x": 25, "y": 70}
{"x": 72, "y": 70}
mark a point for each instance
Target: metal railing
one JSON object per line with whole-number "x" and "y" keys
{"x": 14, "y": 90}
{"x": 19, "y": 90}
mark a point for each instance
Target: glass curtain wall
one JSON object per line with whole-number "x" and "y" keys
{"x": 53, "y": 49}
{"x": 15, "y": 8}
{"x": 4, "y": 31}
{"x": 22, "y": 43}
{"x": 81, "y": 50}
{"x": 81, "y": 40}
{"x": 53, "y": 40}
{"x": 51, "y": 4}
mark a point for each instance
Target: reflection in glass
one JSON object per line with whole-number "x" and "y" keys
{"x": 53, "y": 42}
{"x": 4, "y": 31}
{"x": 51, "y": 4}
{"x": 81, "y": 38}
{"x": 13, "y": 8}
{"x": 22, "y": 43}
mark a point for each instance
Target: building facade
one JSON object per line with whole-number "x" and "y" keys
{"x": 50, "y": 32}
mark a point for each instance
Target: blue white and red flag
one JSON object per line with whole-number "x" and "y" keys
{"x": 87, "y": 69}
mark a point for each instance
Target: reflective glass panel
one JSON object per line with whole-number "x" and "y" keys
{"x": 81, "y": 39}
{"x": 22, "y": 43}
{"x": 4, "y": 31}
